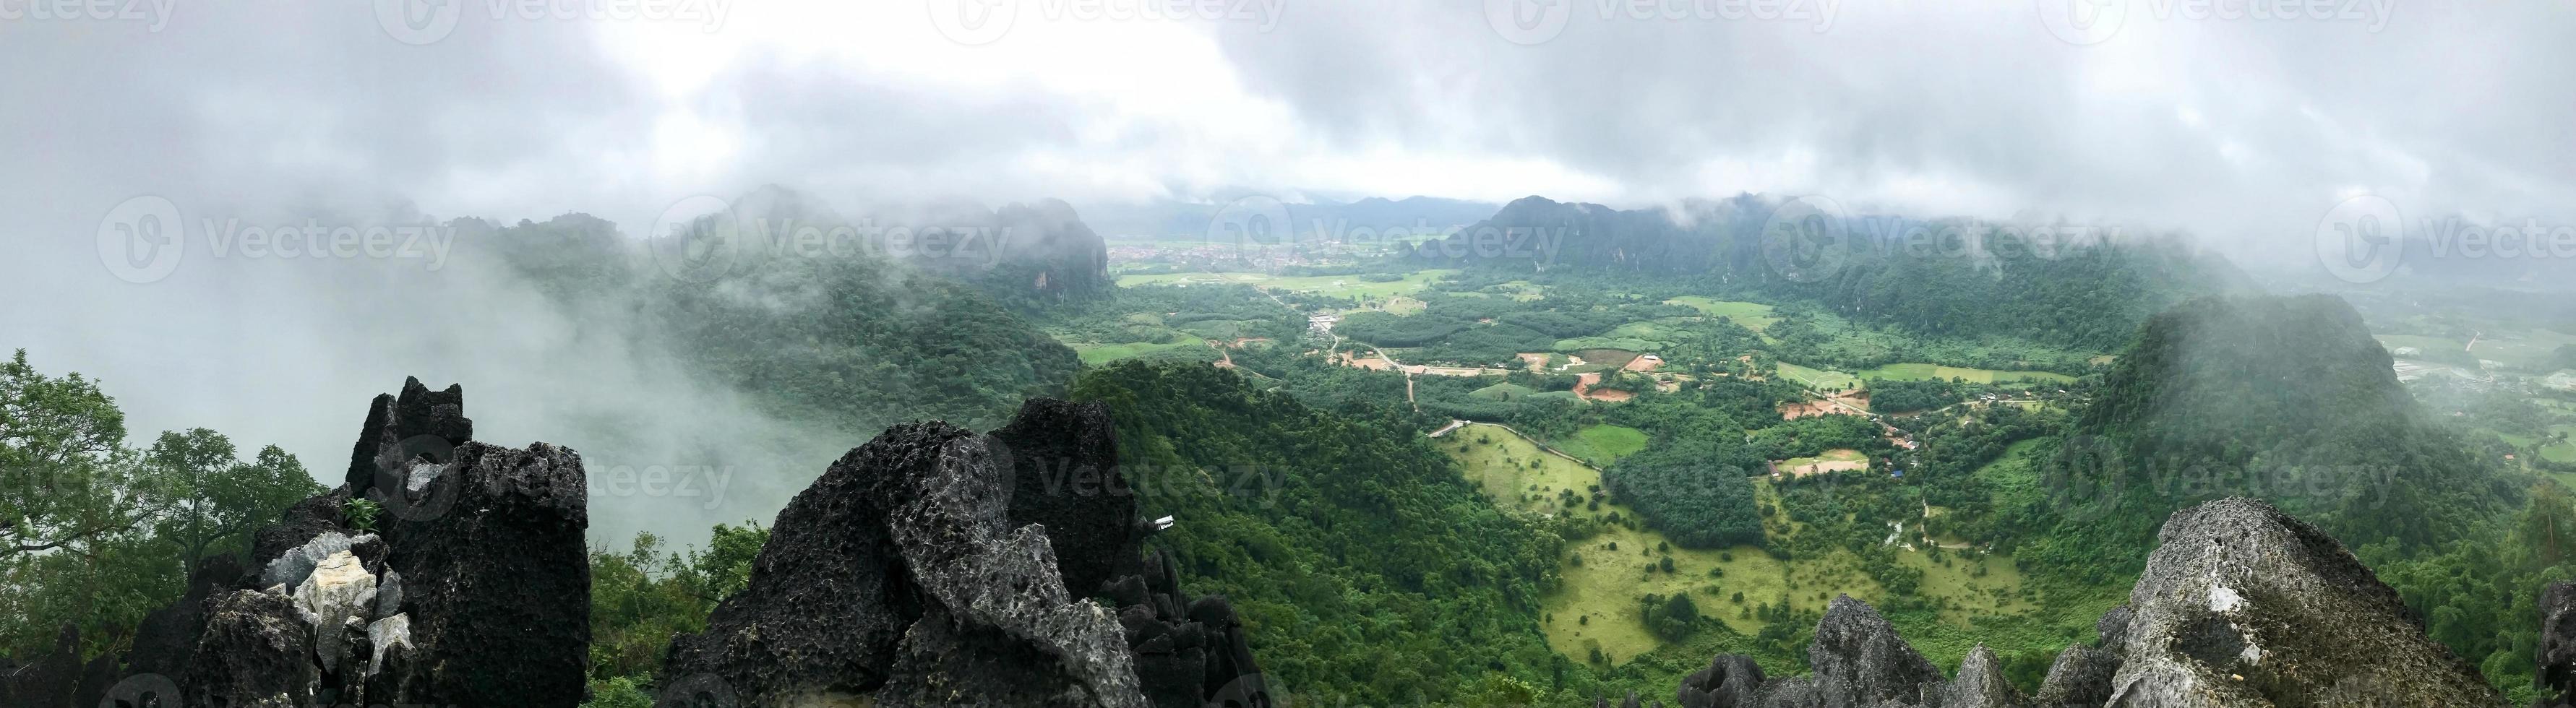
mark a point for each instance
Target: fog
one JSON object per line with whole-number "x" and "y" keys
{"x": 2247, "y": 133}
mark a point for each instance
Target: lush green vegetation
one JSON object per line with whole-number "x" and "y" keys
{"x": 1694, "y": 490}
{"x": 642, "y": 597}
{"x": 1369, "y": 570}
{"x": 94, "y": 533}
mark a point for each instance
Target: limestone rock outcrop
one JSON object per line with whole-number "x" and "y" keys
{"x": 471, "y": 586}
{"x": 2240, "y": 605}
{"x": 930, "y": 567}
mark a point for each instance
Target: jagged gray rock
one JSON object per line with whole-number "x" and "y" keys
{"x": 928, "y": 567}
{"x": 472, "y": 589}
{"x": 2558, "y": 645}
{"x": 925, "y": 594}
{"x": 2081, "y": 676}
{"x": 254, "y": 654}
{"x": 1860, "y": 661}
{"x": 1980, "y": 684}
{"x": 1730, "y": 681}
{"x": 2242, "y": 604}
{"x": 419, "y": 424}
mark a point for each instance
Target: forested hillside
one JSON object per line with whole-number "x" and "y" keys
{"x": 855, "y": 341}
{"x": 2288, "y": 398}
{"x": 2085, "y": 288}
{"x": 1363, "y": 562}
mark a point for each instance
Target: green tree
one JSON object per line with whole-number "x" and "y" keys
{"x": 63, "y": 463}
{"x": 216, "y": 499}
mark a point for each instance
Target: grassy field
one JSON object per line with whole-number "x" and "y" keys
{"x": 1350, "y": 286}
{"x": 1098, "y": 354}
{"x": 1835, "y": 455}
{"x": 1606, "y": 574}
{"x": 1603, "y": 443}
{"x": 1649, "y": 336}
{"x": 1923, "y": 372}
{"x": 1751, "y": 315}
{"x": 1818, "y": 379}
{"x": 1504, "y": 392}
{"x": 2561, "y": 452}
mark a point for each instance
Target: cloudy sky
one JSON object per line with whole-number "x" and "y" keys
{"x": 2243, "y": 124}
{"x": 2232, "y": 119}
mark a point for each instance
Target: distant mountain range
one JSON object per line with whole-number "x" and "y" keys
{"x": 1307, "y": 218}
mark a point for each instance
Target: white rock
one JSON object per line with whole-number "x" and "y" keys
{"x": 2222, "y": 599}
{"x": 339, "y": 589}
{"x": 384, "y": 634}
{"x": 290, "y": 568}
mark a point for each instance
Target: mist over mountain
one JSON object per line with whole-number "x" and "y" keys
{"x": 1932, "y": 276}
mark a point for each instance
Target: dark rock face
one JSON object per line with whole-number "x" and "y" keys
{"x": 2558, "y": 645}
{"x": 1065, "y": 477}
{"x": 398, "y": 429}
{"x": 50, "y": 680}
{"x": 254, "y": 652}
{"x": 2241, "y": 605}
{"x": 167, "y": 637}
{"x": 472, "y": 588}
{"x": 1729, "y": 681}
{"x": 920, "y": 570}
{"x": 926, "y": 594}
{"x": 1188, "y": 653}
{"x": 497, "y": 588}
